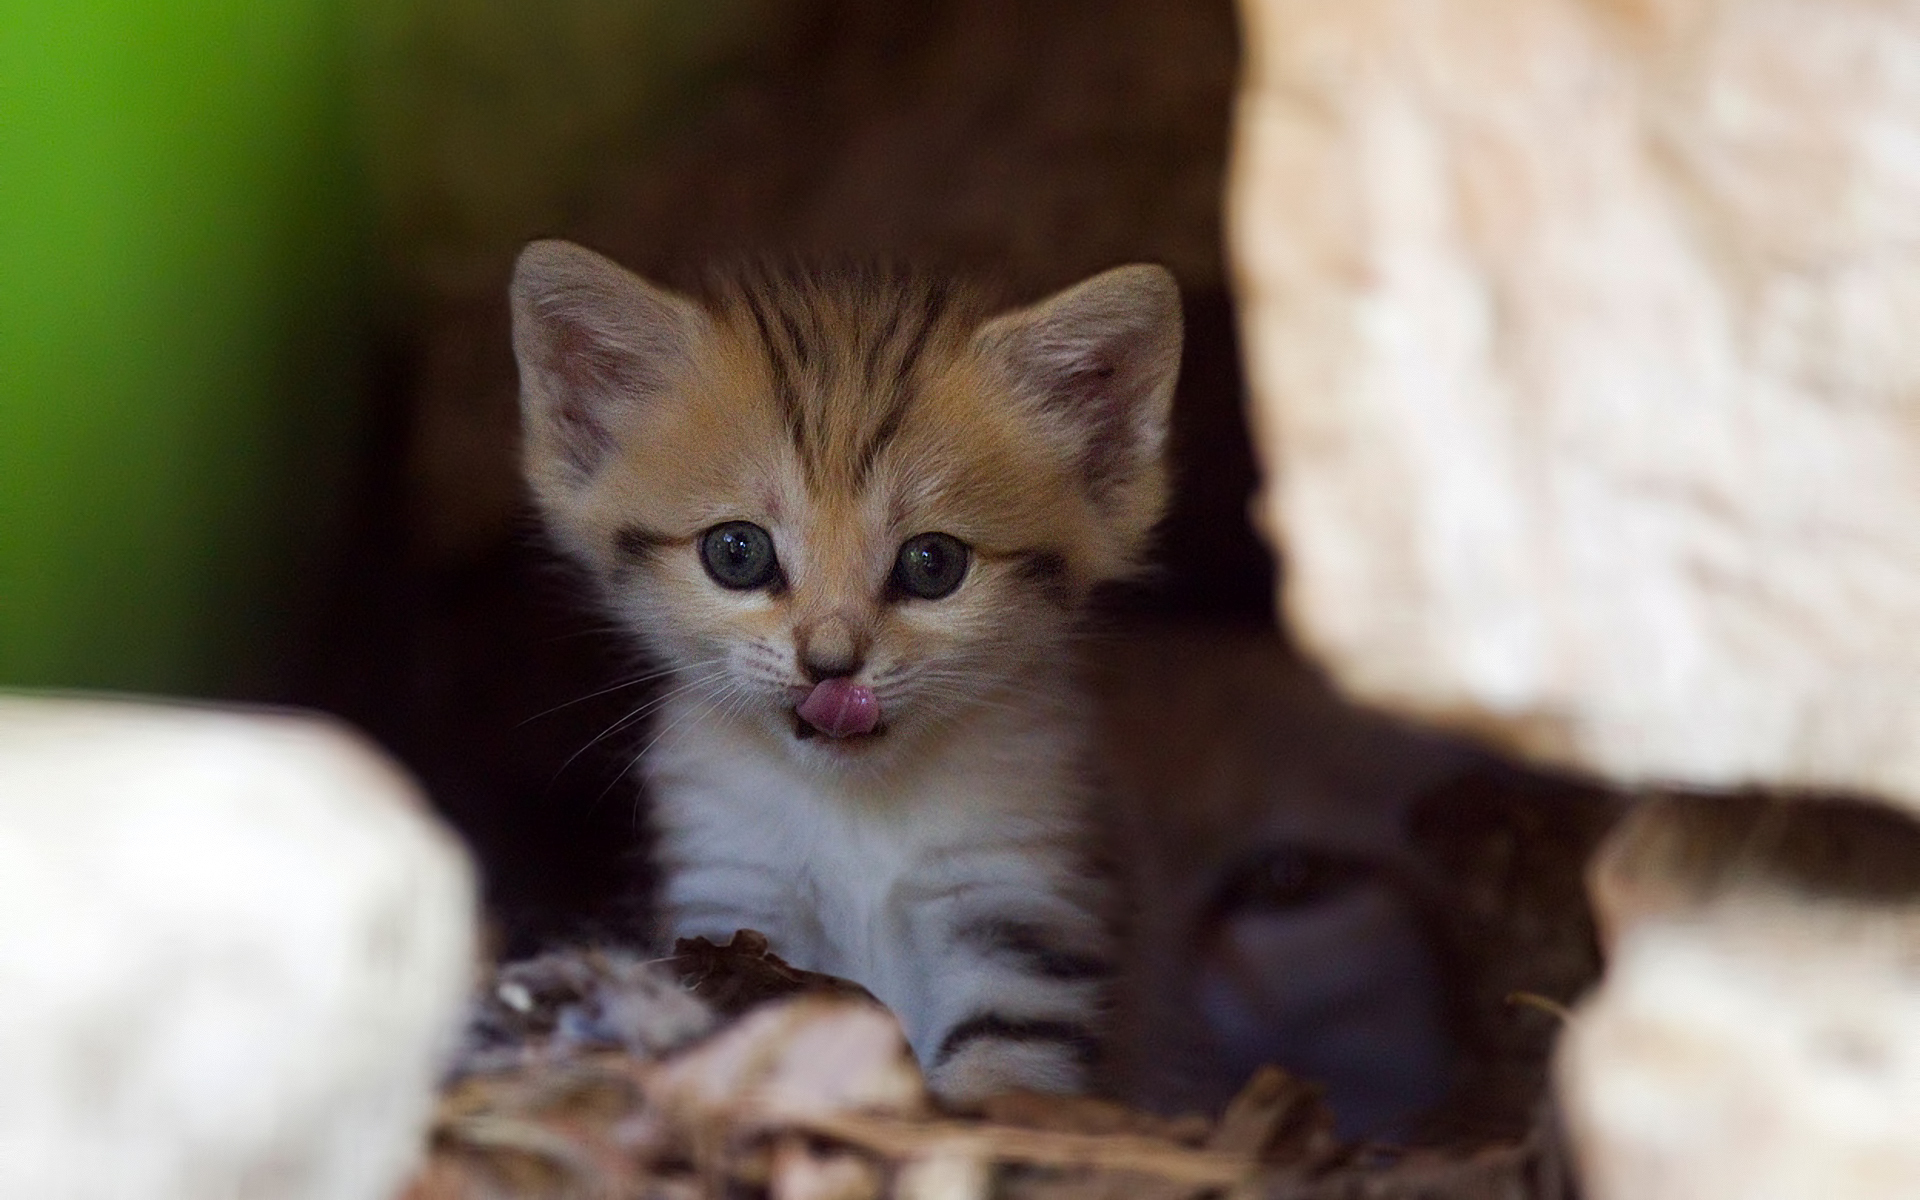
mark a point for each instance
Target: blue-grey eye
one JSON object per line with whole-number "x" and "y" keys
{"x": 930, "y": 565}
{"x": 739, "y": 555}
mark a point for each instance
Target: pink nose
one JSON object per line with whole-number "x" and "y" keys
{"x": 841, "y": 708}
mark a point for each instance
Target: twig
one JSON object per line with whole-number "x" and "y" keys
{"x": 1545, "y": 1004}
{"x": 895, "y": 1138}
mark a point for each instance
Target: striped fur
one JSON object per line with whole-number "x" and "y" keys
{"x": 943, "y": 861}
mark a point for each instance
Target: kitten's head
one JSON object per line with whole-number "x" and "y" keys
{"x": 844, "y": 509}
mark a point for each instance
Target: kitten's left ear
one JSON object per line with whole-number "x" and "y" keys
{"x": 1100, "y": 360}
{"x": 597, "y": 345}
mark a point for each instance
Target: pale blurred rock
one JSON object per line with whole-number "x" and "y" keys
{"x": 1583, "y": 342}
{"x": 1759, "y": 1050}
{"x": 233, "y": 948}
{"x": 810, "y": 1056}
{"x": 1675, "y": 856}
{"x": 945, "y": 1176}
{"x": 803, "y": 1172}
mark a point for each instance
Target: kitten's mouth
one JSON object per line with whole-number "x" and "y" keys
{"x": 806, "y": 733}
{"x": 840, "y": 709}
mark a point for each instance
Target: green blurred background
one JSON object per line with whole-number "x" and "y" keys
{"x": 181, "y": 251}
{"x": 211, "y": 213}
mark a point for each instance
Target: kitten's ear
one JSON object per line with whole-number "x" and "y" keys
{"x": 595, "y": 343}
{"x": 1100, "y": 359}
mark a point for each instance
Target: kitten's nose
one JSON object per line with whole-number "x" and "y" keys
{"x": 830, "y": 650}
{"x": 817, "y": 667}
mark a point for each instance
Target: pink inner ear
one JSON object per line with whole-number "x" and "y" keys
{"x": 588, "y": 365}
{"x": 595, "y": 342}
{"x": 1103, "y": 355}
{"x": 1096, "y": 398}
{"x": 594, "y": 378}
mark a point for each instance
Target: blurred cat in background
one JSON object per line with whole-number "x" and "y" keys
{"x": 1260, "y": 825}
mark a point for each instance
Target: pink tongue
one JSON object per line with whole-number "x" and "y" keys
{"x": 841, "y": 708}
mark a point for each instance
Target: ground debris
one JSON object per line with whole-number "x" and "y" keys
{"x": 564, "y": 1002}
{"x": 744, "y": 973}
{"x": 797, "y": 1086}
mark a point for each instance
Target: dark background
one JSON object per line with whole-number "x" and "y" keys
{"x": 1030, "y": 143}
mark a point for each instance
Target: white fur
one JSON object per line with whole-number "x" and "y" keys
{"x": 868, "y": 877}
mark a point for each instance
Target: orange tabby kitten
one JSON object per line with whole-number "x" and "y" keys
{"x": 858, "y": 517}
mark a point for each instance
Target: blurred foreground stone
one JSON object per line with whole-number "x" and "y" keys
{"x": 1580, "y": 335}
{"x": 1756, "y": 1051}
{"x": 1758, "y": 1031}
{"x": 233, "y": 949}
{"x": 1581, "y": 338}
{"x": 1675, "y": 857}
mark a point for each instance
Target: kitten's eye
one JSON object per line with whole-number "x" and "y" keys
{"x": 739, "y": 555}
{"x": 930, "y": 565}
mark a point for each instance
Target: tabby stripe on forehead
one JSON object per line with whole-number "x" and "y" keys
{"x": 934, "y": 305}
{"x": 870, "y": 368}
{"x": 783, "y": 387}
{"x": 901, "y": 392}
{"x": 995, "y": 1027}
{"x": 802, "y": 351}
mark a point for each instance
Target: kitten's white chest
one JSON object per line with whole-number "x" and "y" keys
{"x": 761, "y": 847}
{"x": 869, "y": 888}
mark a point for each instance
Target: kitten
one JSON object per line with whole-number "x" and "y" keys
{"x": 858, "y": 518}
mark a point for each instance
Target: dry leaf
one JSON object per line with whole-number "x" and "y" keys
{"x": 1088, "y": 1114}
{"x": 745, "y": 973}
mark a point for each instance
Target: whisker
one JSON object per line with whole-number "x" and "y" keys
{"x": 634, "y": 762}
{"x": 636, "y": 715}
{"x": 625, "y": 683}
{"x": 706, "y": 705}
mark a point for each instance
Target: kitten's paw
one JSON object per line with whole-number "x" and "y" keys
{"x": 988, "y": 1066}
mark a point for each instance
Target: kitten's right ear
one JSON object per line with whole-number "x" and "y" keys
{"x": 595, "y": 343}
{"x": 1100, "y": 360}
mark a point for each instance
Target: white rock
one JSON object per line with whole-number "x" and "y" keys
{"x": 1757, "y": 1051}
{"x": 1671, "y": 856}
{"x": 945, "y": 1175}
{"x": 232, "y": 949}
{"x": 1584, "y": 338}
